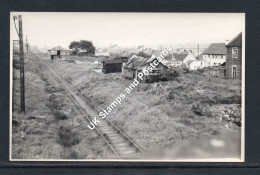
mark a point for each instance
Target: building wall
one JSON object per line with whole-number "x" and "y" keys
{"x": 127, "y": 73}
{"x": 231, "y": 62}
{"x": 189, "y": 57}
{"x": 151, "y": 76}
{"x": 196, "y": 65}
{"x": 214, "y": 59}
{"x": 111, "y": 68}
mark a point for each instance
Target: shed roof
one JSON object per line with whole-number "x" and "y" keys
{"x": 136, "y": 62}
{"x": 216, "y": 48}
{"x": 58, "y": 48}
{"x": 237, "y": 41}
{"x": 112, "y": 61}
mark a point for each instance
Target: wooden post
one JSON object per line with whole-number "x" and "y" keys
{"x": 27, "y": 50}
{"x": 22, "y": 99}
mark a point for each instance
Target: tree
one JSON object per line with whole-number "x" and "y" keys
{"x": 86, "y": 47}
{"x": 75, "y": 46}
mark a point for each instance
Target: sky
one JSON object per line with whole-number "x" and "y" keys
{"x": 127, "y": 29}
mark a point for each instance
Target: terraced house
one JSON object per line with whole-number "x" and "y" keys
{"x": 214, "y": 55}
{"x": 234, "y": 57}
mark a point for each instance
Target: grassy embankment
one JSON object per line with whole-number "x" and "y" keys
{"x": 52, "y": 128}
{"x": 158, "y": 113}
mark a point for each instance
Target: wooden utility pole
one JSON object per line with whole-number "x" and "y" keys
{"x": 22, "y": 99}
{"x": 198, "y": 50}
{"x": 27, "y": 49}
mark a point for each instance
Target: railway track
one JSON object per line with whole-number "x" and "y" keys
{"x": 120, "y": 144}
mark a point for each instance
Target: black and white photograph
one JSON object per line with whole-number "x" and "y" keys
{"x": 110, "y": 86}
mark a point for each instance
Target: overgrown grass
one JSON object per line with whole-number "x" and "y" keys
{"x": 37, "y": 134}
{"x": 157, "y": 109}
{"x": 67, "y": 137}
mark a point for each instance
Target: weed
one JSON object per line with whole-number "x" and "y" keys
{"x": 170, "y": 74}
{"x": 171, "y": 95}
{"x": 233, "y": 99}
{"x": 67, "y": 137}
{"x": 197, "y": 108}
{"x": 60, "y": 115}
{"x": 69, "y": 154}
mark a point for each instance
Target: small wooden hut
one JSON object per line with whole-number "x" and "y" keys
{"x": 58, "y": 52}
{"x": 112, "y": 66}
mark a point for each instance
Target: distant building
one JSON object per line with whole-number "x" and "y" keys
{"x": 112, "y": 66}
{"x": 234, "y": 57}
{"x": 114, "y": 50}
{"x": 102, "y": 53}
{"x": 58, "y": 52}
{"x": 195, "y": 64}
{"x": 214, "y": 55}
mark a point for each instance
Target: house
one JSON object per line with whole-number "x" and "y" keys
{"x": 112, "y": 66}
{"x": 58, "y": 52}
{"x": 215, "y": 54}
{"x": 195, "y": 64}
{"x": 114, "y": 50}
{"x": 234, "y": 57}
{"x": 102, "y": 53}
{"x": 183, "y": 58}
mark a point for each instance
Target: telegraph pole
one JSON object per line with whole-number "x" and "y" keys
{"x": 22, "y": 99}
{"x": 198, "y": 50}
{"x": 27, "y": 49}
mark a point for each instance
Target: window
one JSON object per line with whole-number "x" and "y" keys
{"x": 234, "y": 71}
{"x": 234, "y": 53}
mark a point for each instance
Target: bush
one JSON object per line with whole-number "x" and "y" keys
{"x": 197, "y": 108}
{"x": 67, "y": 137}
{"x": 71, "y": 61}
{"x": 207, "y": 112}
{"x": 185, "y": 69}
{"x": 171, "y": 95}
{"x": 69, "y": 154}
{"x": 170, "y": 74}
{"x": 200, "y": 71}
{"x": 59, "y": 115}
{"x": 234, "y": 99}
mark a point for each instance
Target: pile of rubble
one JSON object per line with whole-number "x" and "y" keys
{"x": 229, "y": 113}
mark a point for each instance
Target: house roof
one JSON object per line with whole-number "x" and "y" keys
{"x": 112, "y": 61}
{"x": 142, "y": 54}
{"x": 216, "y": 48}
{"x": 58, "y": 48}
{"x": 140, "y": 62}
{"x": 237, "y": 41}
{"x": 168, "y": 57}
{"x": 136, "y": 62}
{"x": 128, "y": 54}
{"x": 180, "y": 56}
